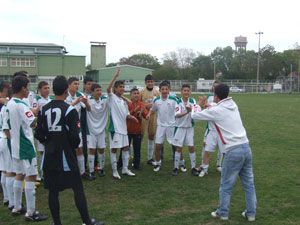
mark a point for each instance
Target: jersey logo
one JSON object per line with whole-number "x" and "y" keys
{"x": 78, "y": 124}
{"x": 29, "y": 114}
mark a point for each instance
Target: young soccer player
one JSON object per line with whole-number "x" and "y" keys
{"x": 58, "y": 128}
{"x": 238, "y": 156}
{"x": 165, "y": 108}
{"x": 23, "y": 151}
{"x": 118, "y": 129}
{"x": 97, "y": 120}
{"x": 184, "y": 131}
{"x": 78, "y": 100}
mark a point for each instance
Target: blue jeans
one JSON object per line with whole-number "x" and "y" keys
{"x": 237, "y": 162}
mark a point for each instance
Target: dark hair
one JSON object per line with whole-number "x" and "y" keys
{"x": 4, "y": 84}
{"x": 149, "y": 77}
{"x": 164, "y": 83}
{"x": 21, "y": 73}
{"x": 222, "y": 91}
{"x": 42, "y": 84}
{"x": 133, "y": 89}
{"x": 185, "y": 86}
{"x": 94, "y": 86}
{"x": 118, "y": 83}
{"x": 18, "y": 83}
{"x": 87, "y": 79}
{"x": 72, "y": 79}
{"x": 60, "y": 85}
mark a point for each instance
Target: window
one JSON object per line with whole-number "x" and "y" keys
{"x": 22, "y": 62}
{"x": 3, "y": 62}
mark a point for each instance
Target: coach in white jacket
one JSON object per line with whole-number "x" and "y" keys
{"x": 238, "y": 156}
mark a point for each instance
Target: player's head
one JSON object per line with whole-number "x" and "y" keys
{"x": 119, "y": 87}
{"x": 164, "y": 88}
{"x": 149, "y": 81}
{"x": 21, "y": 73}
{"x": 73, "y": 83}
{"x": 60, "y": 86}
{"x": 43, "y": 88}
{"x": 96, "y": 90}
{"x": 87, "y": 84}
{"x": 135, "y": 94}
{"x": 221, "y": 92}
{"x": 20, "y": 86}
{"x": 185, "y": 90}
{"x": 4, "y": 88}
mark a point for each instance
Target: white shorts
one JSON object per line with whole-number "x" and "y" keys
{"x": 118, "y": 140}
{"x": 25, "y": 167}
{"x": 2, "y": 153}
{"x": 184, "y": 136}
{"x": 96, "y": 141}
{"x": 212, "y": 140}
{"x": 7, "y": 155}
{"x": 164, "y": 132}
{"x": 2, "y": 161}
{"x": 39, "y": 146}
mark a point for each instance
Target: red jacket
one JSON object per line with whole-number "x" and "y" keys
{"x": 138, "y": 110}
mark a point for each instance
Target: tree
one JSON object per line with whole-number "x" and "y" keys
{"x": 202, "y": 67}
{"x": 141, "y": 60}
{"x": 223, "y": 58}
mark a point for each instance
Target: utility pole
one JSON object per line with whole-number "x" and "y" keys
{"x": 258, "y": 59}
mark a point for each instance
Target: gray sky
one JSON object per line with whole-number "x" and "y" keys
{"x": 154, "y": 27}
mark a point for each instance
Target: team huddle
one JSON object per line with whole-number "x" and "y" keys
{"x": 59, "y": 126}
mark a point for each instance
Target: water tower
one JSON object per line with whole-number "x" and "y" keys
{"x": 98, "y": 55}
{"x": 240, "y": 43}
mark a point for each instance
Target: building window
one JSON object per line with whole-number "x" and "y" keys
{"x": 22, "y": 62}
{"x": 3, "y": 61}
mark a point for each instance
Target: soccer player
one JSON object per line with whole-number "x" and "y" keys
{"x": 22, "y": 121}
{"x": 78, "y": 100}
{"x": 148, "y": 93}
{"x": 164, "y": 105}
{"x": 58, "y": 128}
{"x": 238, "y": 156}
{"x": 118, "y": 129}
{"x": 184, "y": 131}
{"x": 97, "y": 120}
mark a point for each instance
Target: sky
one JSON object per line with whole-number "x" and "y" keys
{"x": 154, "y": 27}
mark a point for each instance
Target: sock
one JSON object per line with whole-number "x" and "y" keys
{"x": 3, "y": 183}
{"x": 182, "y": 163}
{"x": 193, "y": 159}
{"x": 113, "y": 160}
{"x": 80, "y": 159}
{"x": 10, "y": 190}
{"x": 91, "y": 159}
{"x": 150, "y": 149}
{"x": 102, "y": 161}
{"x": 177, "y": 159}
{"x": 205, "y": 167}
{"x": 30, "y": 197}
{"x": 220, "y": 158}
{"x": 125, "y": 159}
{"x": 18, "y": 188}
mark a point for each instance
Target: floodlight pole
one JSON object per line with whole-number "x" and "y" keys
{"x": 258, "y": 59}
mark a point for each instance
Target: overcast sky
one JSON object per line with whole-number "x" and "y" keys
{"x": 153, "y": 26}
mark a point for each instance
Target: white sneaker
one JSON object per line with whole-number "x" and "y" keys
{"x": 219, "y": 169}
{"x": 202, "y": 173}
{"x": 217, "y": 216}
{"x": 249, "y": 218}
{"x": 127, "y": 172}
{"x": 116, "y": 175}
{"x": 183, "y": 168}
{"x": 156, "y": 168}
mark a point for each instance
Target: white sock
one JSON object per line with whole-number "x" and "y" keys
{"x": 125, "y": 159}
{"x": 10, "y": 190}
{"x": 80, "y": 159}
{"x": 177, "y": 159}
{"x": 113, "y": 160}
{"x": 30, "y": 197}
{"x": 150, "y": 149}
{"x": 3, "y": 183}
{"x": 193, "y": 159}
{"x": 220, "y": 158}
{"x": 205, "y": 167}
{"x": 91, "y": 159}
{"x": 102, "y": 161}
{"x": 18, "y": 188}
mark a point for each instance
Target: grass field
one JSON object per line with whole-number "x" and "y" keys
{"x": 272, "y": 122}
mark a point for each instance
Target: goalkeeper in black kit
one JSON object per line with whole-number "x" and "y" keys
{"x": 58, "y": 129}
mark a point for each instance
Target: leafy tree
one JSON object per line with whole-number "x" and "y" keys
{"x": 141, "y": 60}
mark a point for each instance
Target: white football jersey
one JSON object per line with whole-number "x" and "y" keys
{"x": 40, "y": 101}
{"x": 30, "y": 99}
{"x": 70, "y": 99}
{"x": 185, "y": 121}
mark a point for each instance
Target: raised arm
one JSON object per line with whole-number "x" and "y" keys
{"x": 113, "y": 80}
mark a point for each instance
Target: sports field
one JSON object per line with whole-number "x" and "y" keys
{"x": 272, "y": 122}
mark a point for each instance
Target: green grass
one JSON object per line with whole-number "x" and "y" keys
{"x": 273, "y": 126}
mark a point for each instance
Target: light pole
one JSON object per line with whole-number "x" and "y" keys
{"x": 258, "y": 58}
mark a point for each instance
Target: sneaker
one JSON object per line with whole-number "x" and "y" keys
{"x": 21, "y": 211}
{"x": 175, "y": 172}
{"x": 127, "y": 172}
{"x": 35, "y": 217}
{"x": 156, "y": 168}
{"x": 150, "y": 162}
{"x": 183, "y": 168}
{"x": 217, "y": 216}
{"x": 219, "y": 169}
{"x": 249, "y": 218}
{"x": 195, "y": 172}
{"x": 92, "y": 176}
{"x": 101, "y": 173}
{"x": 116, "y": 175}
{"x": 10, "y": 208}
{"x": 202, "y": 173}
{"x": 6, "y": 203}
{"x": 86, "y": 176}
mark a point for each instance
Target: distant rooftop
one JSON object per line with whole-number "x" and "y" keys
{"x": 30, "y": 44}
